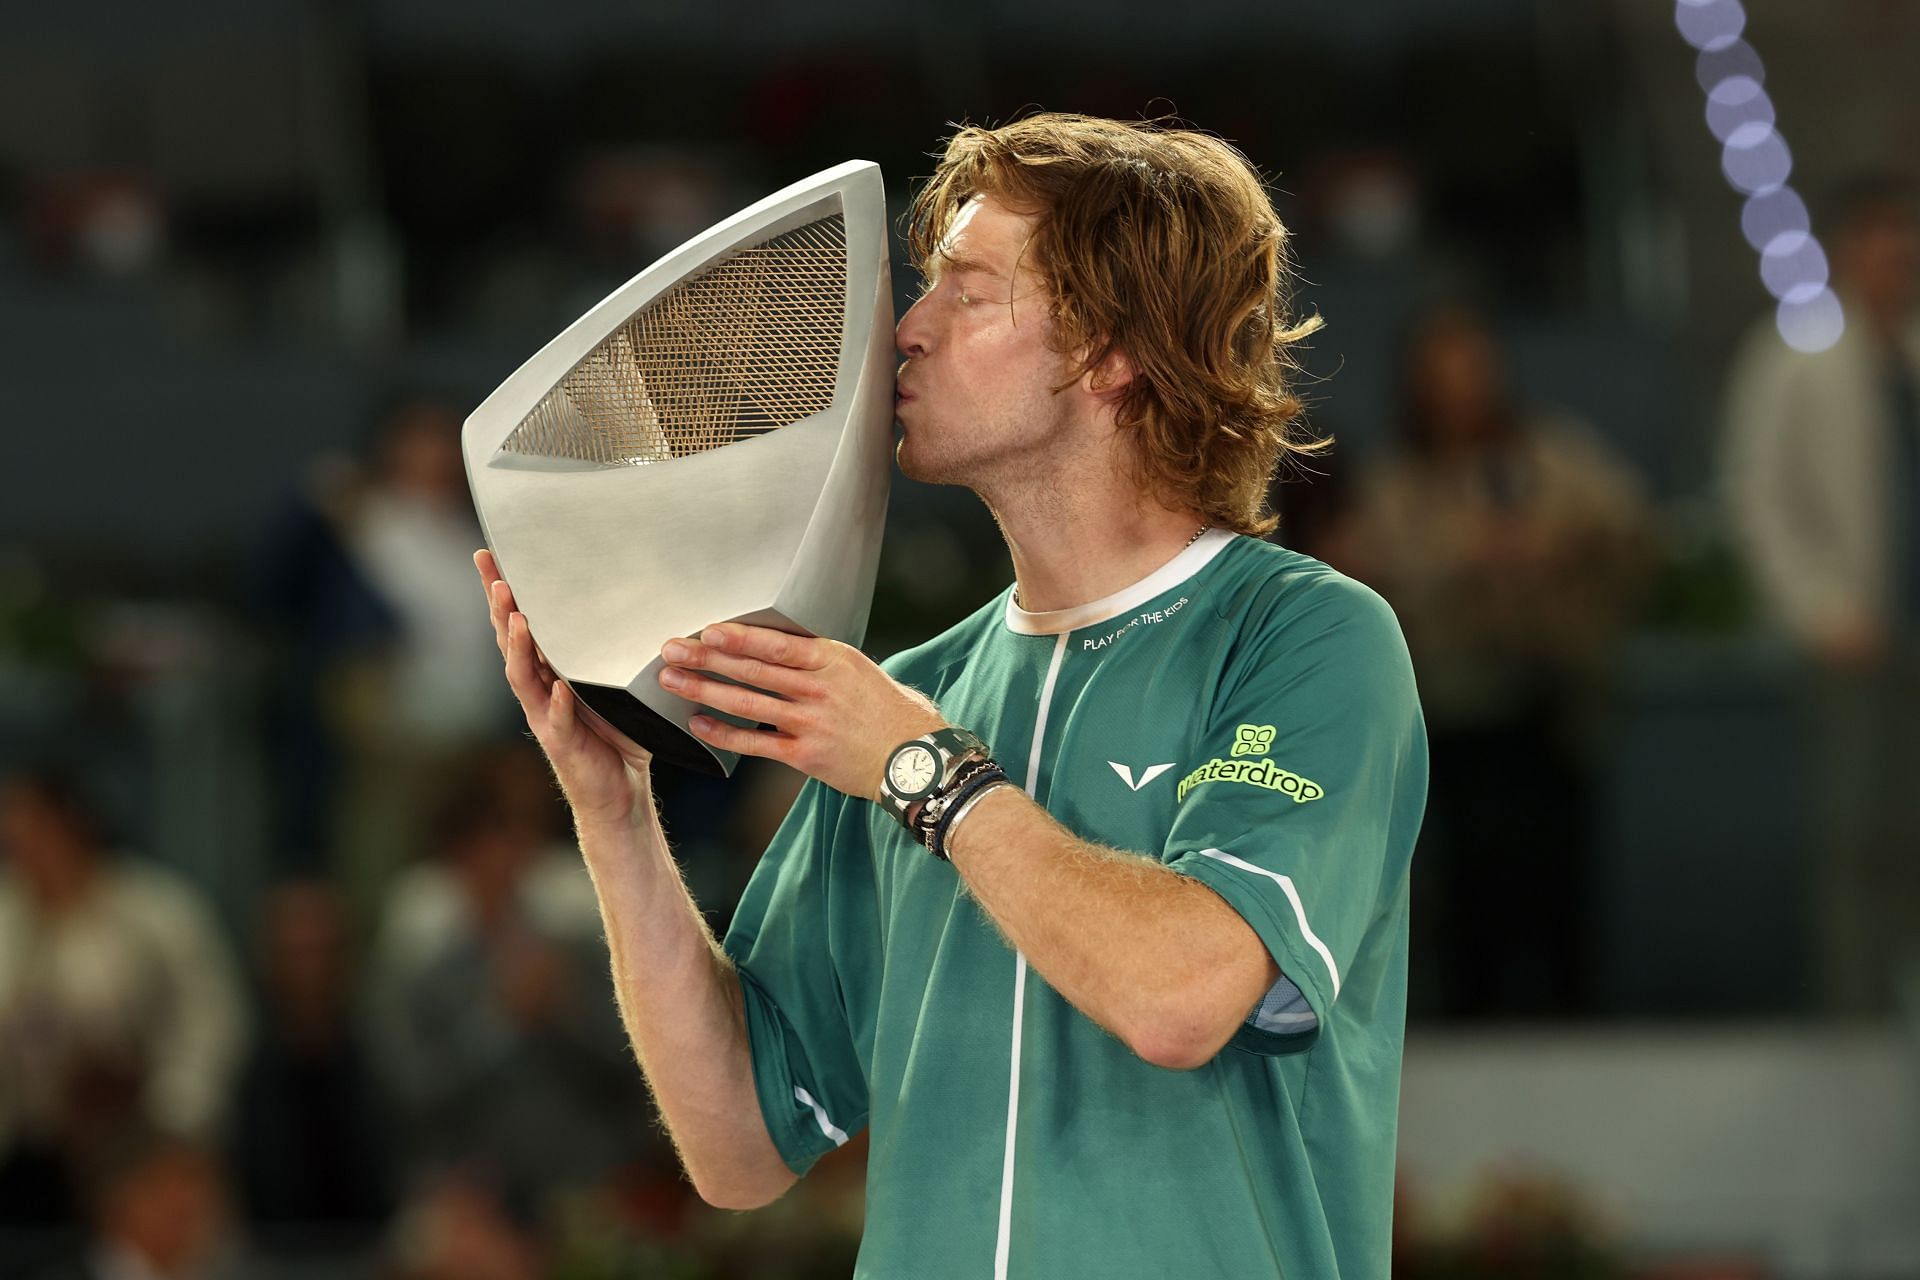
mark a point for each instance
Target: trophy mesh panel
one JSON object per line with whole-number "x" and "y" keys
{"x": 751, "y": 344}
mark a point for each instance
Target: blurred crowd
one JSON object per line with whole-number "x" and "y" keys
{"x": 1519, "y": 551}
{"x": 411, "y": 1064}
{"x": 1515, "y": 547}
{"x": 408, "y": 1062}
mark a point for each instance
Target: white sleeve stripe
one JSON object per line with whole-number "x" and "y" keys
{"x": 1299, "y": 911}
{"x": 839, "y": 1136}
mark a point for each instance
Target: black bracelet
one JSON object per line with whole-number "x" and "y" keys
{"x": 927, "y": 812}
{"x": 990, "y": 776}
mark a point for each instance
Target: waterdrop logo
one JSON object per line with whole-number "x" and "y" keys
{"x": 1251, "y": 740}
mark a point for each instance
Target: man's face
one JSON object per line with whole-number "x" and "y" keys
{"x": 976, "y": 395}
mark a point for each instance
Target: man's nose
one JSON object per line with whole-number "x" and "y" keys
{"x": 909, "y": 336}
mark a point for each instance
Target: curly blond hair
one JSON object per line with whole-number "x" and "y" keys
{"x": 1161, "y": 244}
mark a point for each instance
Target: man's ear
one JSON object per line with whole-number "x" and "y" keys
{"x": 1109, "y": 378}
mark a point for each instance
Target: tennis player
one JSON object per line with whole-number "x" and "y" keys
{"x": 1094, "y": 908}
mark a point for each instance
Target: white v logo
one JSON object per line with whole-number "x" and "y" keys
{"x": 1147, "y": 775}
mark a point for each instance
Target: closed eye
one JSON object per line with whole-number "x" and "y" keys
{"x": 965, "y": 297}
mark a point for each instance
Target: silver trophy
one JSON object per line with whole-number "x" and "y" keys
{"x": 712, "y": 442}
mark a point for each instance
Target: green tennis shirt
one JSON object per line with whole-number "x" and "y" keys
{"x": 1246, "y": 715}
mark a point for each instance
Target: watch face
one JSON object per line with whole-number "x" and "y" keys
{"x": 911, "y": 771}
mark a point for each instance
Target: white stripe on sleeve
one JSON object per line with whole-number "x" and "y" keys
{"x": 1293, "y": 896}
{"x": 827, "y": 1126}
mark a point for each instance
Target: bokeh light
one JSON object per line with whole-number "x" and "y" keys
{"x": 1773, "y": 213}
{"x": 1736, "y": 59}
{"x": 1737, "y": 103}
{"x": 1756, "y": 159}
{"x": 1811, "y": 324}
{"x": 1793, "y": 266}
{"x": 1757, "y": 162}
{"x": 1710, "y": 24}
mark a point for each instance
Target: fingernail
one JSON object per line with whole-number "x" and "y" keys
{"x": 701, "y": 723}
{"x": 714, "y": 636}
{"x": 674, "y": 651}
{"x": 672, "y": 679}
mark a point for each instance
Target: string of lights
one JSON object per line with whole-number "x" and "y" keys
{"x": 1757, "y": 163}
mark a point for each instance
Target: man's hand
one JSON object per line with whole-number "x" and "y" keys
{"x": 603, "y": 772}
{"x": 833, "y": 713}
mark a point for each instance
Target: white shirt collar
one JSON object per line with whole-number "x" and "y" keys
{"x": 1168, "y": 576}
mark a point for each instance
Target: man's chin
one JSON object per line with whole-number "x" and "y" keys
{"x": 927, "y": 455}
{"x": 912, "y": 464}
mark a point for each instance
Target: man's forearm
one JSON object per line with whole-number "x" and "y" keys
{"x": 1156, "y": 958}
{"x": 680, "y": 1001}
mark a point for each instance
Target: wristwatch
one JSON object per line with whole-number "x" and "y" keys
{"x": 920, "y": 769}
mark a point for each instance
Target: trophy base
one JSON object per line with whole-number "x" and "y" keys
{"x": 666, "y": 740}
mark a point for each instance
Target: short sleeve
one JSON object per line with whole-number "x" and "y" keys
{"x": 1301, "y": 804}
{"x": 806, "y": 1070}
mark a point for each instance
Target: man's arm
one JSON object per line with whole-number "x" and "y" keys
{"x": 678, "y": 994}
{"x": 680, "y": 1001}
{"x": 1155, "y": 957}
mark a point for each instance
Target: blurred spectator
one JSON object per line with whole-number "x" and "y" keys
{"x": 1314, "y": 503}
{"x": 1511, "y": 544}
{"x": 1823, "y": 472}
{"x": 158, "y": 1208}
{"x": 395, "y": 676}
{"x": 1820, "y": 447}
{"x": 330, "y": 623}
{"x": 309, "y": 1146}
{"x": 458, "y": 1228}
{"x": 118, "y": 999}
{"x": 106, "y": 223}
{"x": 494, "y": 1026}
{"x": 413, "y": 534}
